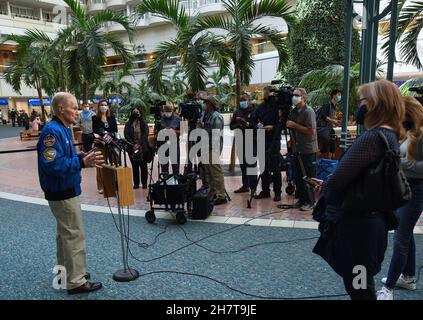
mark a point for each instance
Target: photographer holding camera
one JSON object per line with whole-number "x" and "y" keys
{"x": 303, "y": 130}
{"x": 213, "y": 173}
{"x": 171, "y": 121}
{"x": 267, "y": 118}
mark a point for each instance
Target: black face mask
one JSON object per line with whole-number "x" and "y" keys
{"x": 408, "y": 125}
{"x": 361, "y": 114}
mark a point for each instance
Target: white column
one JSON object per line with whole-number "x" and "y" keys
{"x": 41, "y": 14}
{"x": 128, "y": 10}
{"x": 9, "y": 11}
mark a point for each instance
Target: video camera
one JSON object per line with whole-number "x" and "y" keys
{"x": 282, "y": 98}
{"x": 156, "y": 108}
{"x": 191, "y": 110}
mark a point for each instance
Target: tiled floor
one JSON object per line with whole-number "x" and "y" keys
{"x": 19, "y": 176}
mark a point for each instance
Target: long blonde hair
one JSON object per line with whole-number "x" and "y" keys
{"x": 413, "y": 114}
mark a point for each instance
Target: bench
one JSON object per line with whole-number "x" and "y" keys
{"x": 29, "y": 135}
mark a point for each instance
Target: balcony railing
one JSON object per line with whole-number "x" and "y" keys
{"x": 17, "y": 15}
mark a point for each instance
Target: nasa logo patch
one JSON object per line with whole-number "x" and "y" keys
{"x": 49, "y": 154}
{"x": 49, "y": 140}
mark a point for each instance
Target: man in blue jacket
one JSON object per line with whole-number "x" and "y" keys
{"x": 59, "y": 169}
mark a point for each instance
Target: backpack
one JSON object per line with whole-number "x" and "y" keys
{"x": 379, "y": 189}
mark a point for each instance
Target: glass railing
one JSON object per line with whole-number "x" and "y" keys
{"x": 263, "y": 47}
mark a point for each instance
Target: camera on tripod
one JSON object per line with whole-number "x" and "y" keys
{"x": 156, "y": 108}
{"x": 282, "y": 98}
{"x": 191, "y": 110}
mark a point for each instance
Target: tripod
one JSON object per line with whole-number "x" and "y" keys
{"x": 276, "y": 138}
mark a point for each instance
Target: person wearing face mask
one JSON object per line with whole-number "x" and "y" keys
{"x": 267, "y": 117}
{"x": 352, "y": 238}
{"x": 171, "y": 121}
{"x": 303, "y": 131}
{"x": 402, "y": 269}
{"x": 103, "y": 122}
{"x": 213, "y": 173}
{"x": 136, "y": 133}
{"x": 326, "y": 122}
{"x": 243, "y": 119}
{"x": 86, "y": 124}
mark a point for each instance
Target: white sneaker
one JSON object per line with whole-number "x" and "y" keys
{"x": 403, "y": 283}
{"x": 385, "y": 294}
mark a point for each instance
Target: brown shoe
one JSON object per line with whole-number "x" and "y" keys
{"x": 86, "y": 287}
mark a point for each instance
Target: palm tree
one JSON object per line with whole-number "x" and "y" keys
{"x": 410, "y": 25}
{"x": 195, "y": 54}
{"x": 319, "y": 83}
{"x": 32, "y": 65}
{"x": 224, "y": 86}
{"x": 85, "y": 42}
{"x": 142, "y": 97}
{"x": 116, "y": 86}
{"x": 240, "y": 26}
{"x": 175, "y": 85}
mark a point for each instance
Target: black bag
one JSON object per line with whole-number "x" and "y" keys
{"x": 383, "y": 188}
{"x": 202, "y": 204}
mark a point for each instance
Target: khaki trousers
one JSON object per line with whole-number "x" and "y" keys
{"x": 213, "y": 175}
{"x": 70, "y": 240}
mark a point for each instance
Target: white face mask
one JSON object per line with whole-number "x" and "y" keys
{"x": 168, "y": 114}
{"x": 104, "y": 108}
{"x": 87, "y": 109}
{"x": 338, "y": 98}
{"x": 296, "y": 100}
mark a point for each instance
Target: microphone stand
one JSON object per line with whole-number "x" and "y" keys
{"x": 126, "y": 274}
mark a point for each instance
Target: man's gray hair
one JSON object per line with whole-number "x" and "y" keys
{"x": 303, "y": 93}
{"x": 60, "y": 99}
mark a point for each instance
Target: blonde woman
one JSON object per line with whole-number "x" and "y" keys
{"x": 402, "y": 269}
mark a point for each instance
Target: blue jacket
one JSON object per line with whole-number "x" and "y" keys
{"x": 59, "y": 166}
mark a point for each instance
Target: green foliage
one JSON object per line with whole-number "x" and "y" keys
{"x": 410, "y": 26}
{"x": 85, "y": 42}
{"x": 317, "y": 39}
{"x": 224, "y": 87}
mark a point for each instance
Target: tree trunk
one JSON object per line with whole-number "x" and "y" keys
{"x": 43, "y": 111}
{"x": 237, "y": 99}
{"x": 85, "y": 91}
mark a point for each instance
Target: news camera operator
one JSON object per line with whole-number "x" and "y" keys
{"x": 136, "y": 133}
{"x": 104, "y": 122}
{"x": 59, "y": 169}
{"x": 171, "y": 121}
{"x": 243, "y": 118}
{"x": 303, "y": 128}
{"x": 267, "y": 118}
{"x": 213, "y": 173}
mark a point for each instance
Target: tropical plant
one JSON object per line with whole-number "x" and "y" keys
{"x": 32, "y": 65}
{"x": 116, "y": 86}
{"x": 142, "y": 96}
{"x": 85, "y": 42}
{"x": 317, "y": 39}
{"x": 410, "y": 26}
{"x": 224, "y": 87}
{"x": 195, "y": 54}
{"x": 174, "y": 85}
{"x": 320, "y": 83}
{"x": 240, "y": 26}
{"x": 411, "y": 83}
